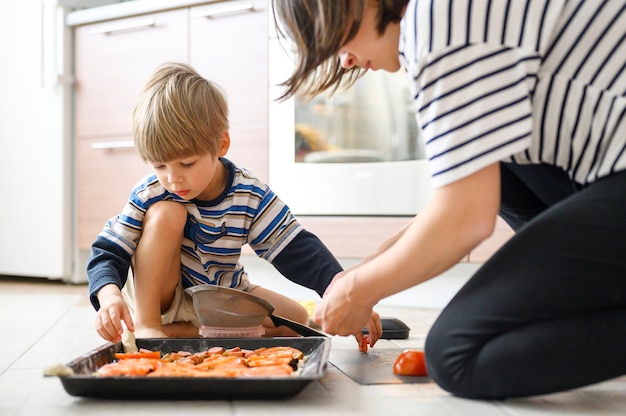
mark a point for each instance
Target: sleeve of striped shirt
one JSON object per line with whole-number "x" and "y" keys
{"x": 107, "y": 264}
{"x": 473, "y": 67}
{"x": 307, "y": 262}
{"x": 273, "y": 227}
{"x": 474, "y": 107}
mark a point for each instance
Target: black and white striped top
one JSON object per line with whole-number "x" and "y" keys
{"x": 527, "y": 81}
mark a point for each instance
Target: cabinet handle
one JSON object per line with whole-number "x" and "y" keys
{"x": 227, "y": 10}
{"x": 122, "y": 144}
{"x": 138, "y": 24}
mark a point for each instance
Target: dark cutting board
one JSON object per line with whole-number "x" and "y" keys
{"x": 372, "y": 367}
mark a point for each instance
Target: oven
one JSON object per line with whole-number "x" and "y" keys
{"x": 358, "y": 152}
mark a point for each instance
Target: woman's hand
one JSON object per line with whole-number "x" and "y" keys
{"x": 112, "y": 312}
{"x": 373, "y": 325}
{"x": 343, "y": 311}
{"x": 375, "y": 331}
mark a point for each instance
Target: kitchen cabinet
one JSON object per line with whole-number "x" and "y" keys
{"x": 229, "y": 45}
{"x": 113, "y": 60}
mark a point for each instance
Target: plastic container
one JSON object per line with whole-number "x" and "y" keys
{"x": 225, "y": 332}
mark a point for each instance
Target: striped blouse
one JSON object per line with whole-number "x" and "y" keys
{"x": 522, "y": 81}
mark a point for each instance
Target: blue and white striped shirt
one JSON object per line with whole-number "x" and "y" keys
{"x": 247, "y": 212}
{"x": 524, "y": 81}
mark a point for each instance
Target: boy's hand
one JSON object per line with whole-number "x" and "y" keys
{"x": 112, "y": 312}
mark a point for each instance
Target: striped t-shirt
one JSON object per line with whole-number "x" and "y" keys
{"x": 247, "y": 212}
{"x": 523, "y": 81}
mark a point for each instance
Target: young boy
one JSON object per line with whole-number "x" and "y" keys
{"x": 185, "y": 223}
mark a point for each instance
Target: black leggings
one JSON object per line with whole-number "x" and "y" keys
{"x": 547, "y": 312}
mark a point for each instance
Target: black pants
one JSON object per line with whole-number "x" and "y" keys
{"x": 547, "y": 312}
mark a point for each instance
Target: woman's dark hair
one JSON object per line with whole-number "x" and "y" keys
{"x": 318, "y": 29}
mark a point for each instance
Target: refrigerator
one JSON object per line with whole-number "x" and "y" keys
{"x": 36, "y": 213}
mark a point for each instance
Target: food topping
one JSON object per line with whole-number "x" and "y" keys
{"x": 214, "y": 362}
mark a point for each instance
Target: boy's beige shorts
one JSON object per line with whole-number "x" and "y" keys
{"x": 181, "y": 309}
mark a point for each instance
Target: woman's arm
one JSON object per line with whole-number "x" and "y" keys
{"x": 458, "y": 217}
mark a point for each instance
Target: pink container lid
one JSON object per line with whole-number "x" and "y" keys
{"x": 225, "y": 332}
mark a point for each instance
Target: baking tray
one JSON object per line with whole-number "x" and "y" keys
{"x": 393, "y": 328}
{"x": 84, "y": 384}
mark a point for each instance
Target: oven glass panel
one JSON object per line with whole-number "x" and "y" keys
{"x": 372, "y": 121}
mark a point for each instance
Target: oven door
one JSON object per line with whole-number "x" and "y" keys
{"x": 357, "y": 152}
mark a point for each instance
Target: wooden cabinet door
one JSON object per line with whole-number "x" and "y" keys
{"x": 114, "y": 60}
{"x": 108, "y": 170}
{"x": 229, "y": 45}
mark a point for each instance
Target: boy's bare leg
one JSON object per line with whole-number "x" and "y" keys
{"x": 157, "y": 267}
{"x": 285, "y": 307}
{"x": 181, "y": 330}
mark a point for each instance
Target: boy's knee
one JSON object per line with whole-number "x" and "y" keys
{"x": 301, "y": 315}
{"x": 166, "y": 215}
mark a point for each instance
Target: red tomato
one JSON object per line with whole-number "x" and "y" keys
{"x": 363, "y": 344}
{"x": 410, "y": 363}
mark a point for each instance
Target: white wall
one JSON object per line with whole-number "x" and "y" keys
{"x": 35, "y": 160}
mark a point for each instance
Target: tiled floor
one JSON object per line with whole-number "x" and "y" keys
{"x": 44, "y": 323}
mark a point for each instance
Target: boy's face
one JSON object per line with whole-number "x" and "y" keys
{"x": 196, "y": 176}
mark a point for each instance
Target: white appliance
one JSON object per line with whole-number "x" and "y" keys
{"x": 35, "y": 130}
{"x": 357, "y": 153}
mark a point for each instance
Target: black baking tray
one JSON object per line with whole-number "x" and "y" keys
{"x": 393, "y": 328}
{"x": 84, "y": 384}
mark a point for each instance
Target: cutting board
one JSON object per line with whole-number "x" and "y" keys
{"x": 372, "y": 367}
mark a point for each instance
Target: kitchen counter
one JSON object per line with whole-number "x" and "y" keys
{"x": 127, "y": 9}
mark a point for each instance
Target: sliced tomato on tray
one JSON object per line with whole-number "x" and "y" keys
{"x": 142, "y": 353}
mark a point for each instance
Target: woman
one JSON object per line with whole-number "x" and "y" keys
{"x": 521, "y": 105}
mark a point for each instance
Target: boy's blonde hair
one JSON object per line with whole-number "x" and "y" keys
{"x": 178, "y": 114}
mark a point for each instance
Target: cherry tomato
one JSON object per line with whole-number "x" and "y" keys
{"x": 410, "y": 363}
{"x": 364, "y": 343}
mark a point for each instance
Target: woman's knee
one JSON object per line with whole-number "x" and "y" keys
{"x": 451, "y": 362}
{"x": 448, "y": 361}
{"x": 435, "y": 347}
{"x": 166, "y": 217}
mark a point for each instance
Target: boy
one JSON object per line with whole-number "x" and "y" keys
{"x": 185, "y": 223}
